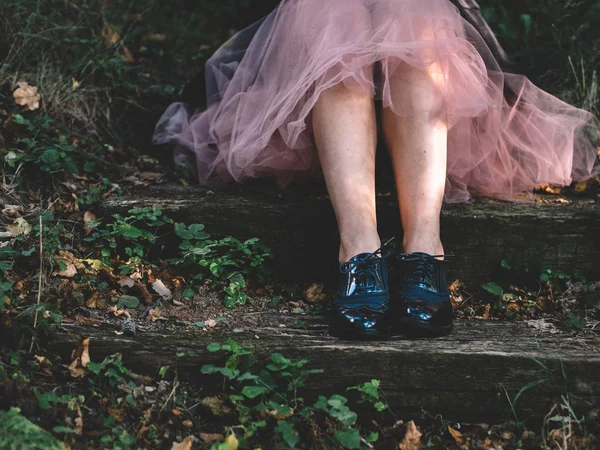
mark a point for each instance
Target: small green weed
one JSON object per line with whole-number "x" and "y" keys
{"x": 226, "y": 262}
{"x": 17, "y": 433}
{"x": 268, "y": 401}
{"x": 131, "y": 236}
{"x": 111, "y": 370}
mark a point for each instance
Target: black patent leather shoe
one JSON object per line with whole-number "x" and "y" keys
{"x": 361, "y": 304}
{"x": 420, "y": 304}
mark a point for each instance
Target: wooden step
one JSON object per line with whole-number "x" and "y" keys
{"x": 464, "y": 376}
{"x": 300, "y": 228}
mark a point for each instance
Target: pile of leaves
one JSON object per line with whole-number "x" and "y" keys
{"x": 567, "y": 301}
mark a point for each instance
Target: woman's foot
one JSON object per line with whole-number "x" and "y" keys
{"x": 361, "y": 304}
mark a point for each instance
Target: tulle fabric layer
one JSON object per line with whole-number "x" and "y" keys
{"x": 505, "y": 135}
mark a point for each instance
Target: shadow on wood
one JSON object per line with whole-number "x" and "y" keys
{"x": 300, "y": 227}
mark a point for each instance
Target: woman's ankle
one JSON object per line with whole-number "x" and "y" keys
{"x": 430, "y": 245}
{"x": 355, "y": 245}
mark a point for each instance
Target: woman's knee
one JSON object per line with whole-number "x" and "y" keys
{"x": 413, "y": 89}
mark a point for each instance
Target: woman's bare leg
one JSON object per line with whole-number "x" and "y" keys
{"x": 417, "y": 146}
{"x": 345, "y": 132}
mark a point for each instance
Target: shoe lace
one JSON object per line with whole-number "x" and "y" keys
{"x": 362, "y": 269}
{"x": 422, "y": 270}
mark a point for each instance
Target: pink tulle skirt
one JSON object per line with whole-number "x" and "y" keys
{"x": 505, "y": 135}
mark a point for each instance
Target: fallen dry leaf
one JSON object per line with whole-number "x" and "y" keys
{"x": 79, "y": 421}
{"x": 314, "y": 293}
{"x": 231, "y": 443}
{"x": 88, "y": 219}
{"x": 144, "y": 427}
{"x": 126, "y": 282}
{"x": 486, "y": 311}
{"x": 155, "y": 37}
{"x": 95, "y": 301}
{"x": 70, "y": 261}
{"x": 117, "y": 413}
{"x": 19, "y": 227}
{"x": 513, "y": 307}
{"x": 110, "y": 34}
{"x": 80, "y": 358}
{"x": 280, "y": 416}
{"x": 154, "y": 315}
{"x": 412, "y": 438}
{"x": 127, "y": 56}
{"x": 26, "y": 95}
{"x": 150, "y": 176}
{"x": 216, "y": 406}
{"x": 119, "y": 312}
{"x": 209, "y": 438}
{"x": 160, "y": 288}
{"x": 550, "y": 189}
{"x": 12, "y": 210}
{"x": 460, "y": 440}
{"x": 45, "y": 364}
{"x": 581, "y": 186}
{"x": 96, "y": 264}
{"x": 186, "y": 444}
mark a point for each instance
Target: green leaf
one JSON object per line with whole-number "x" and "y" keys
{"x": 493, "y": 288}
{"x": 46, "y": 399}
{"x": 321, "y": 403}
{"x": 129, "y": 301}
{"x": 344, "y": 415}
{"x": 372, "y": 437}
{"x": 254, "y": 391}
{"x": 380, "y": 406}
{"x": 182, "y": 232}
{"x": 163, "y": 371}
{"x": 213, "y": 347}
{"x": 247, "y": 376}
{"x": 50, "y": 157}
{"x": 337, "y": 401}
{"x": 209, "y": 368}
{"x": 288, "y": 433}
{"x": 348, "y": 438}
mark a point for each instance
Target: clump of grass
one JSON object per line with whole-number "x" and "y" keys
{"x": 103, "y": 68}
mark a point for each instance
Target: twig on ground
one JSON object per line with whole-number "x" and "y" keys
{"x": 39, "y": 296}
{"x": 175, "y": 386}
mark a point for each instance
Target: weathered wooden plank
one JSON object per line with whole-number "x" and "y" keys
{"x": 300, "y": 228}
{"x": 460, "y": 375}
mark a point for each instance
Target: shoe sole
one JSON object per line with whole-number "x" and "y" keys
{"x": 419, "y": 328}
